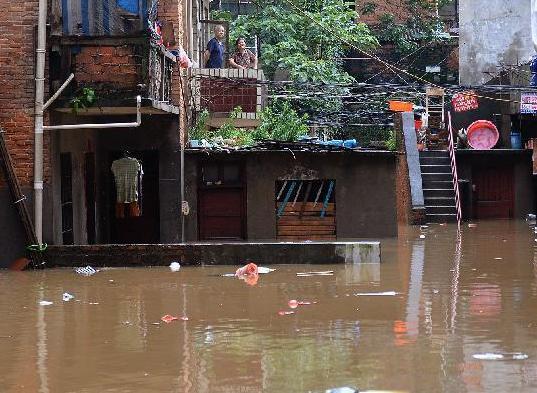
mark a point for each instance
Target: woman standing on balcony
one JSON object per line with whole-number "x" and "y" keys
{"x": 243, "y": 58}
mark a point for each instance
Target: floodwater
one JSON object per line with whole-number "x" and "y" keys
{"x": 455, "y": 297}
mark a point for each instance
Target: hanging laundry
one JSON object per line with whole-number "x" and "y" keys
{"x": 127, "y": 175}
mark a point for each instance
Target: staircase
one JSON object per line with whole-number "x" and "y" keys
{"x": 437, "y": 182}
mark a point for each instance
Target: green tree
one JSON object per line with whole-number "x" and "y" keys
{"x": 307, "y": 39}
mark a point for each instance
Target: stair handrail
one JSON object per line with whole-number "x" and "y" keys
{"x": 453, "y": 163}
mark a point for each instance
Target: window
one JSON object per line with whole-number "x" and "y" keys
{"x": 306, "y": 209}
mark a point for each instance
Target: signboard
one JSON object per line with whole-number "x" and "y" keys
{"x": 465, "y": 101}
{"x": 528, "y": 103}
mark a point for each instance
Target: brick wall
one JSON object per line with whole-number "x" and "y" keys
{"x": 222, "y": 95}
{"x": 17, "y": 86}
{"x": 109, "y": 68}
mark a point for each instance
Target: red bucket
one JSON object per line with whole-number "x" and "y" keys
{"x": 482, "y": 135}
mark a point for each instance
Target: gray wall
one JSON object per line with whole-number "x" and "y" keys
{"x": 365, "y": 190}
{"x": 492, "y": 33}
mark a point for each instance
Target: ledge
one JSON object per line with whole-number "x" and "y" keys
{"x": 193, "y": 254}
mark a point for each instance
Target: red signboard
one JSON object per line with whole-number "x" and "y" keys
{"x": 465, "y": 101}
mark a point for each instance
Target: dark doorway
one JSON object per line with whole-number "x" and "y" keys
{"x": 493, "y": 192}
{"x": 89, "y": 180}
{"x": 144, "y": 228}
{"x": 66, "y": 181}
{"x": 222, "y": 201}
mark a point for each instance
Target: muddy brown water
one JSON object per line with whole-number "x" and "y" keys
{"x": 453, "y": 300}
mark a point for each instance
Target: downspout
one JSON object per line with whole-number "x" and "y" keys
{"x": 38, "y": 126}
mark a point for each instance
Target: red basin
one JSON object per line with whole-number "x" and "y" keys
{"x": 482, "y": 135}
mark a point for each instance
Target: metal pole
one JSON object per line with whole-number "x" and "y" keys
{"x": 183, "y": 237}
{"x": 38, "y": 127}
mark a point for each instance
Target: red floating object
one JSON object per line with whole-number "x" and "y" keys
{"x": 168, "y": 318}
{"x": 293, "y": 303}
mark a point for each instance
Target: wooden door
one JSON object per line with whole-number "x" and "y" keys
{"x": 493, "y": 192}
{"x": 221, "y": 202}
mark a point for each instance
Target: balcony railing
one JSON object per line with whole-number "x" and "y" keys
{"x": 161, "y": 63}
{"x": 220, "y": 90}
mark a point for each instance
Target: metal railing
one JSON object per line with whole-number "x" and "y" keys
{"x": 453, "y": 162}
{"x": 161, "y": 64}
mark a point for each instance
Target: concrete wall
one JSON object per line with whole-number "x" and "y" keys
{"x": 493, "y": 33}
{"x": 365, "y": 189}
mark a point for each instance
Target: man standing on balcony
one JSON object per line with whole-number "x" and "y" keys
{"x": 214, "y": 54}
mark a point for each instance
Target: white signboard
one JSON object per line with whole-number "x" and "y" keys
{"x": 528, "y": 103}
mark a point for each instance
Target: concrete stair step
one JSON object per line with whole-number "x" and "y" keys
{"x": 436, "y": 176}
{"x": 435, "y": 169}
{"x": 438, "y": 185}
{"x": 437, "y": 193}
{"x": 440, "y": 201}
{"x": 440, "y": 210}
{"x": 435, "y": 160}
{"x": 434, "y": 153}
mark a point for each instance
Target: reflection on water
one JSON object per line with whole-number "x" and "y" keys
{"x": 456, "y": 296}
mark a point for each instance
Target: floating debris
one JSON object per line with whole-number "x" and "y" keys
{"x": 67, "y": 296}
{"x": 316, "y": 273}
{"x": 175, "y": 266}
{"x": 264, "y": 270}
{"x": 45, "y": 303}
{"x": 86, "y": 271}
{"x": 285, "y": 312}
{"x": 472, "y": 225}
{"x": 388, "y": 293}
{"x": 500, "y": 356}
{"x": 293, "y": 303}
{"x": 168, "y": 318}
{"x": 422, "y": 236}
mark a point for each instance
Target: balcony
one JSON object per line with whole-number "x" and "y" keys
{"x": 118, "y": 69}
{"x": 220, "y": 90}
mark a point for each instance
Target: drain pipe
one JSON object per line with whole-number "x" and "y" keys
{"x": 38, "y": 125}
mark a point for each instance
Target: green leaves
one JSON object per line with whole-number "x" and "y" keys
{"x": 281, "y": 122}
{"x": 84, "y": 99}
{"x": 294, "y": 37}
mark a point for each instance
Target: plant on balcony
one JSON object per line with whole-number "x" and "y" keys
{"x": 85, "y": 98}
